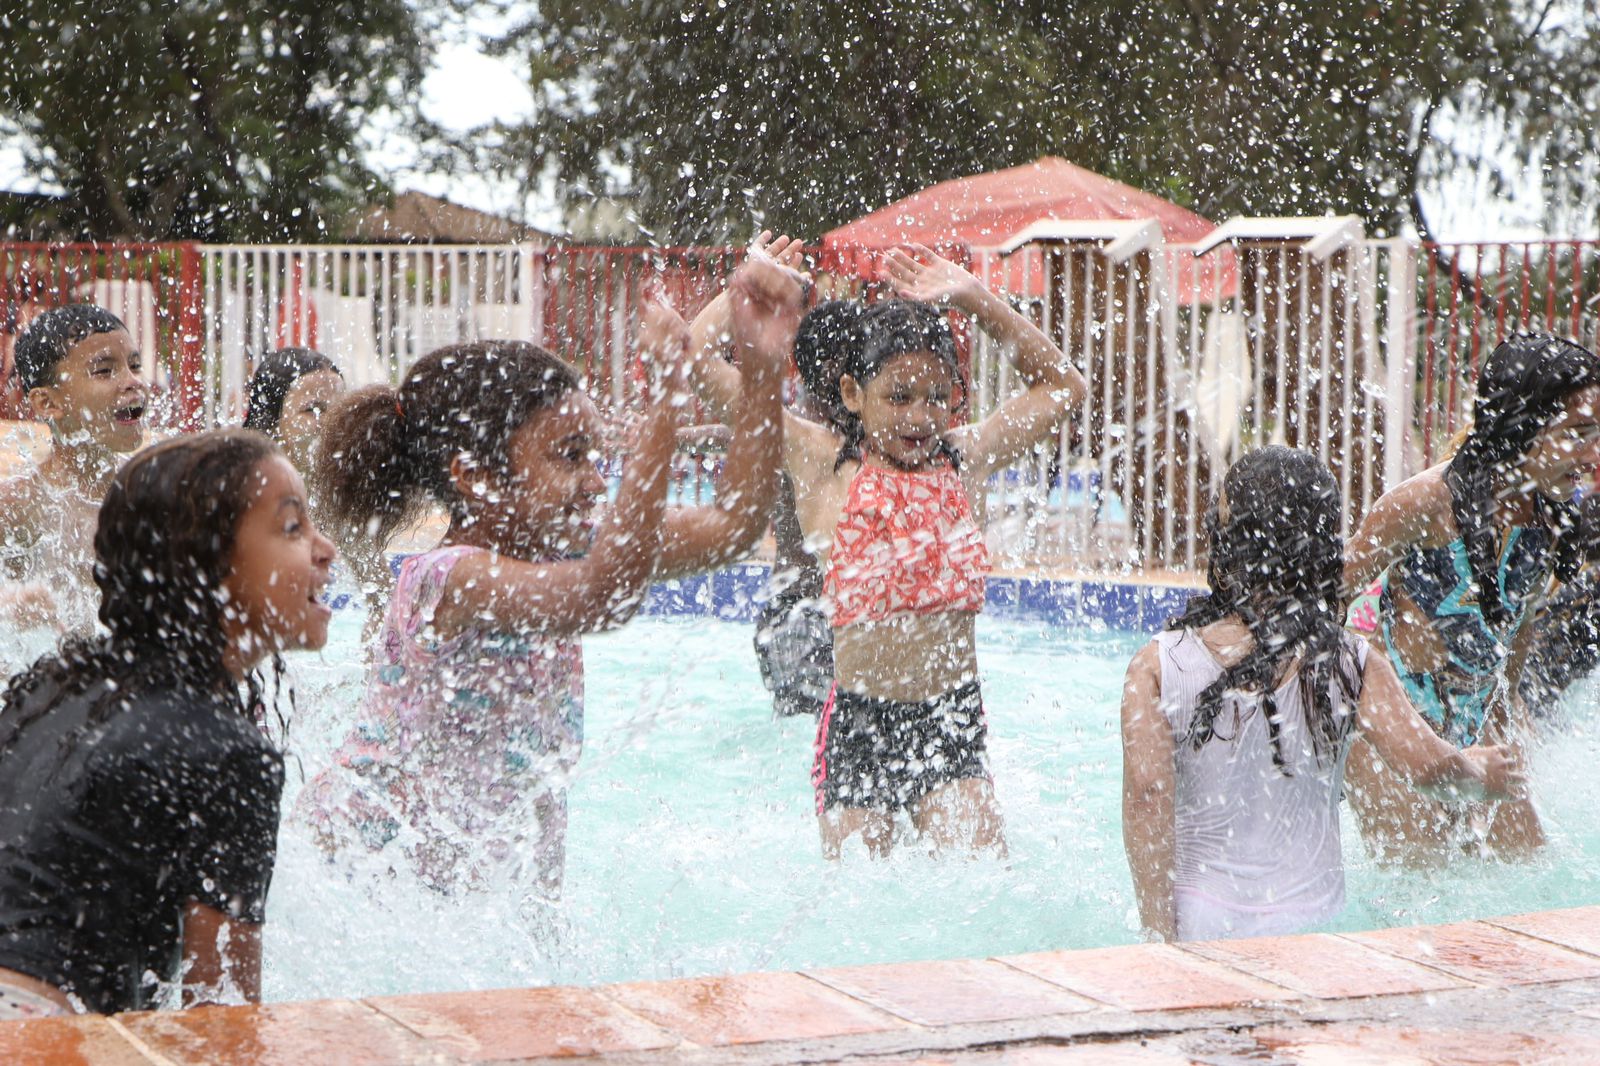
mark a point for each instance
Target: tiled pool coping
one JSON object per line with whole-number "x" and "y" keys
{"x": 1516, "y": 989}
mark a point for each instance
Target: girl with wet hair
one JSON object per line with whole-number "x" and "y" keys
{"x": 472, "y": 722}
{"x": 886, "y": 496}
{"x": 1451, "y": 566}
{"x": 1236, "y": 721}
{"x": 138, "y": 799}
{"x": 289, "y": 392}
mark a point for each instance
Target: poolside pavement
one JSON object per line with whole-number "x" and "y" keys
{"x": 1519, "y": 989}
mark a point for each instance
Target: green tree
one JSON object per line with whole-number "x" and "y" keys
{"x": 706, "y": 114}
{"x": 208, "y": 119}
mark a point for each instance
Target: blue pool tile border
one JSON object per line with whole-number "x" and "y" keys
{"x": 737, "y": 593}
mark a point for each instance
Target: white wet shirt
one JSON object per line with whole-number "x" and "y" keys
{"x": 1257, "y": 852}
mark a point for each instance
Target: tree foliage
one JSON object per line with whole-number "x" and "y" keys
{"x": 806, "y": 115}
{"x": 210, "y": 119}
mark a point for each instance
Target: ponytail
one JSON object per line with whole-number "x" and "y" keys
{"x": 368, "y": 485}
{"x": 385, "y": 451}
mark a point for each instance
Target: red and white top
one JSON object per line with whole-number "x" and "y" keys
{"x": 906, "y": 543}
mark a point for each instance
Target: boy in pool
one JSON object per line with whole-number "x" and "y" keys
{"x": 79, "y": 370}
{"x": 793, "y": 638}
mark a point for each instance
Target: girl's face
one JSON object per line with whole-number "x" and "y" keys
{"x": 280, "y": 568}
{"x": 545, "y": 507}
{"x": 1566, "y": 452}
{"x": 905, "y": 409}
{"x": 301, "y": 422}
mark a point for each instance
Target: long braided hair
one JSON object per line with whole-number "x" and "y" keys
{"x": 1523, "y": 387}
{"x": 888, "y": 329}
{"x": 1277, "y": 563}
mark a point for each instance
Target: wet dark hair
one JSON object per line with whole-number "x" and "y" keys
{"x": 1278, "y": 564}
{"x": 889, "y": 329}
{"x": 824, "y": 344}
{"x": 47, "y": 339}
{"x": 275, "y": 375}
{"x": 163, "y": 548}
{"x": 384, "y": 450}
{"x": 1522, "y": 388}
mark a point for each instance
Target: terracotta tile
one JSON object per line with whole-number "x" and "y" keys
{"x": 66, "y": 1042}
{"x": 1578, "y": 927}
{"x": 291, "y": 1034}
{"x": 1324, "y": 966}
{"x": 1354, "y": 1044}
{"x": 1482, "y": 953}
{"x": 953, "y": 991}
{"x": 523, "y": 1023}
{"x": 1148, "y": 977}
{"x": 750, "y": 1008}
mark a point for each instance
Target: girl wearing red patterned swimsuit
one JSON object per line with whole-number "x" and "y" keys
{"x": 887, "y": 508}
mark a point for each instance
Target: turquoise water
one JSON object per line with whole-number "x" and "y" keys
{"x": 693, "y": 846}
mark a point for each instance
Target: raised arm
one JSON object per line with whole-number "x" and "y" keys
{"x": 1054, "y": 388}
{"x": 765, "y": 301}
{"x": 715, "y": 381}
{"x": 1404, "y": 516}
{"x": 1429, "y": 764}
{"x": 1149, "y": 782}
{"x": 221, "y": 957}
{"x": 605, "y": 586}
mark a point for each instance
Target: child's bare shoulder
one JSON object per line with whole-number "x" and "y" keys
{"x": 23, "y": 500}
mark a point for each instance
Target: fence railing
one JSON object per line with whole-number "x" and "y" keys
{"x": 1364, "y": 352}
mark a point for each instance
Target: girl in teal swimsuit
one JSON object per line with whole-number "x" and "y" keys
{"x": 1453, "y": 564}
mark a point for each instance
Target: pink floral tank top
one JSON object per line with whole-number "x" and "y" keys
{"x": 458, "y": 736}
{"x": 906, "y": 543}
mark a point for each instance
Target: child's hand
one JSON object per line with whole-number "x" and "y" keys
{"x": 768, "y": 299}
{"x": 1505, "y": 776}
{"x": 31, "y": 607}
{"x": 664, "y": 351}
{"x": 920, "y": 273}
{"x": 785, "y": 251}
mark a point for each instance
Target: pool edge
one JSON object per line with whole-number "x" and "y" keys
{"x": 1430, "y": 992}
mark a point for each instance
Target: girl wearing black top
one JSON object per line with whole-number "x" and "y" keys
{"x": 138, "y": 802}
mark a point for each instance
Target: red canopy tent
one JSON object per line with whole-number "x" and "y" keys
{"x": 985, "y": 210}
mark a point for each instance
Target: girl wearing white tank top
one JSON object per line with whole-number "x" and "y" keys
{"x": 1237, "y": 720}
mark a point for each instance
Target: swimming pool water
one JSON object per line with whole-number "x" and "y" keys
{"x": 693, "y": 846}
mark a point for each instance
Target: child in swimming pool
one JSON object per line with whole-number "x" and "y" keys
{"x": 473, "y": 718}
{"x": 887, "y": 505}
{"x": 79, "y": 371}
{"x": 138, "y": 799}
{"x": 1451, "y": 566}
{"x": 793, "y": 638}
{"x": 290, "y": 391}
{"x": 1237, "y": 720}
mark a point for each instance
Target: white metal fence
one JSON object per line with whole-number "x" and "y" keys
{"x": 1192, "y": 355}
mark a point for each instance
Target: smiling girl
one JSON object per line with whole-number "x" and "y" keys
{"x": 1454, "y": 563}
{"x": 138, "y": 800}
{"x": 473, "y": 718}
{"x": 887, "y": 505}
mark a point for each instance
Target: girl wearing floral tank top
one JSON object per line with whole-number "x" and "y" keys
{"x": 887, "y": 504}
